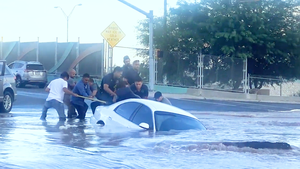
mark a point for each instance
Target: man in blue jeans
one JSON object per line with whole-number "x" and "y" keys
{"x": 57, "y": 88}
{"x": 82, "y": 88}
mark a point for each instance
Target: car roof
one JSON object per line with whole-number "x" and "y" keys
{"x": 158, "y": 106}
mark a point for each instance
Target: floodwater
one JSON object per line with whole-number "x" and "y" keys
{"x": 27, "y": 142}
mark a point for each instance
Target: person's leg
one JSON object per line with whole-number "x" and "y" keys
{"x": 85, "y": 108}
{"x": 94, "y": 105}
{"x": 71, "y": 109}
{"x": 59, "y": 107}
{"x": 47, "y": 105}
{"x": 79, "y": 109}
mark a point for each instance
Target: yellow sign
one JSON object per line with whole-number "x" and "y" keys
{"x": 113, "y": 34}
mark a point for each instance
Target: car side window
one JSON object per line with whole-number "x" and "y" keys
{"x": 143, "y": 115}
{"x": 11, "y": 65}
{"x": 125, "y": 110}
{"x": 20, "y": 65}
{"x": 16, "y": 66}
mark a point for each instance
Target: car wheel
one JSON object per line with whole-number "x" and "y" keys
{"x": 7, "y": 103}
{"x": 42, "y": 85}
{"x": 19, "y": 82}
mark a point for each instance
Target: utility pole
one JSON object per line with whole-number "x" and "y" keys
{"x": 151, "y": 58}
{"x": 68, "y": 17}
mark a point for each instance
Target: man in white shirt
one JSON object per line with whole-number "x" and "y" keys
{"x": 57, "y": 88}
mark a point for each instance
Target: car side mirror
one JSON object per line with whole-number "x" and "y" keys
{"x": 144, "y": 126}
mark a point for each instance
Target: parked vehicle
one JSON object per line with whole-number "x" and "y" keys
{"x": 29, "y": 72}
{"x": 143, "y": 114}
{"x": 7, "y": 87}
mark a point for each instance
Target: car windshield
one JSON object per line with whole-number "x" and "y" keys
{"x": 34, "y": 67}
{"x": 165, "y": 121}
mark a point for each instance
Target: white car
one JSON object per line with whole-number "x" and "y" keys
{"x": 143, "y": 114}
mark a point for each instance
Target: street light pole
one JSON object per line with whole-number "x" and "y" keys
{"x": 68, "y": 17}
{"x": 151, "y": 58}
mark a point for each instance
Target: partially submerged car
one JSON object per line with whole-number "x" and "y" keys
{"x": 143, "y": 114}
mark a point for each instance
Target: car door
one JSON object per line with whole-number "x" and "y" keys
{"x": 14, "y": 67}
{"x": 11, "y": 67}
{"x": 18, "y": 67}
{"x": 143, "y": 115}
{"x": 124, "y": 112}
{"x": 2, "y": 72}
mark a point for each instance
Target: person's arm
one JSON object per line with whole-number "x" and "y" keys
{"x": 167, "y": 101}
{"x": 106, "y": 81}
{"x": 48, "y": 87}
{"x": 107, "y": 89}
{"x": 88, "y": 91}
{"x": 66, "y": 90}
{"x": 115, "y": 98}
{"x": 95, "y": 90}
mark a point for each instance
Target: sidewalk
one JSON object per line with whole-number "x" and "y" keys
{"x": 227, "y": 96}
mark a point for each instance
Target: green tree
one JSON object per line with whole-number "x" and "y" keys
{"x": 265, "y": 31}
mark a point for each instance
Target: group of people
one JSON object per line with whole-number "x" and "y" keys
{"x": 123, "y": 83}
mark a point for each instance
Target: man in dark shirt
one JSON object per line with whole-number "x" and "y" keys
{"x": 108, "y": 88}
{"x": 139, "y": 88}
{"x": 133, "y": 72}
{"x": 123, "y": 92}
{"x": 126, "y": 68}
{"x": 82, "y": 88}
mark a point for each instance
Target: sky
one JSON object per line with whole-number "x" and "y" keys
{"x": 30, "y": 19}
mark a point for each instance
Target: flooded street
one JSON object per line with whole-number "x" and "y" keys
{"x": 27, "y": 142}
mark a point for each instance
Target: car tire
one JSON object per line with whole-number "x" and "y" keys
{"x": 6, "y": 105}
{"x": 42, "y": 85}
{"x": 19, "y": 82}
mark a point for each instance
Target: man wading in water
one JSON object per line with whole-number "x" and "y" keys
{"x": 57, "y": 88}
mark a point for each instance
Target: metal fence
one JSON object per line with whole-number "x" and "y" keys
{"x": 223, "y": 73}
{"x": 202, "y": 71}
{"x": 179, "y": 69}
{"x": 273, "y": 86}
